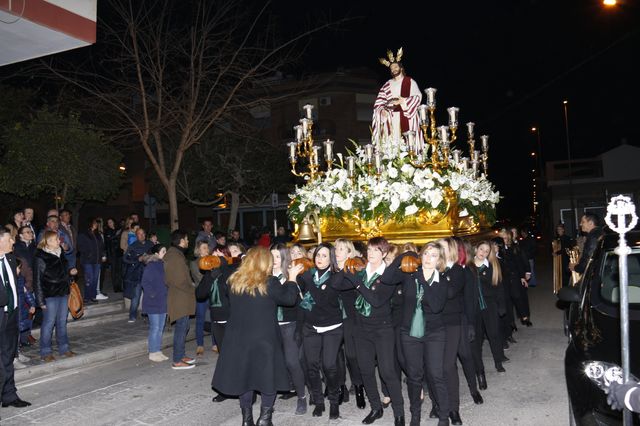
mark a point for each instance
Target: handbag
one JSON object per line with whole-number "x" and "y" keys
{"x": 76, "y": 302}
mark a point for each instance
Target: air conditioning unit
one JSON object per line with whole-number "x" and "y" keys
{"x": 325, "y": 100}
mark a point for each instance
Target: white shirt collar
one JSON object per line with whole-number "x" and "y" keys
{"x": 379, "y": 271}
{"x": 450, "y": 265}
{"x": 485, "y": 262}
{"x": 436, "y": 277}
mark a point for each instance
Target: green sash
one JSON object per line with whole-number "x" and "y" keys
{"x": 214, "y": 297}
{"x": 417, "y": 321}
{"x": 483, "y": 305}
{"x": 280, "y": 310}
{"x": 362, "y": 306}
{"x": 307, "y": 301}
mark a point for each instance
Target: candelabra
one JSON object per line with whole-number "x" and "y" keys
{"x": 304, "y": 148}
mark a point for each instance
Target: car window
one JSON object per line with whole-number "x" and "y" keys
{"x": 610, "y": 274}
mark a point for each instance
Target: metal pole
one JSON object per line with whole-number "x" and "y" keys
{"x": 566, "y": 130}
{"x": 622, "y": 207}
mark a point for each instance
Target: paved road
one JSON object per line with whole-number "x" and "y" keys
{"x": 137, "y": 392}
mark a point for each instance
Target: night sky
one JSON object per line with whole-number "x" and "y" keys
{"x": 507, "y": 65}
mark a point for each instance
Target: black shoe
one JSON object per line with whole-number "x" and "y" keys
{"x": 317, "y": 412}
{"x": 219, "y": 398}
{"x": 505, "y": 359}
{"x": 455, "y": 418}
{"x": 398, "y": 421}
{"x": 265, "y": 416}
{"x": 247, "y": 416}
{"x": 360, "y": 402}
{"x": 443, "y": 422}
{"x": 341, "y": 390}
{"x": 287, "y": 395}
{"x": 433, "y": 414}
{"x": 510, "y": 339}
{"x": 528, "y": 323}
{"x": 500, "y": 368}
{"x": 505, "y": 346}
{"x": 301, "y": 408}
{"x": 482, "y": 381}
{"x": 373, "y": 416}
{"x": 334, "y": 411}
{"x": 513, "y": 327}
{"x": 477, "y": 398}
{"x": 18, "y": 403}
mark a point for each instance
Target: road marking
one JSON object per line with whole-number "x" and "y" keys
{"x": 50, "y": 378}
{"x": 64, "y": 400}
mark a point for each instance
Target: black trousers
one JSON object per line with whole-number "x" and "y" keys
{"x": 321, "y": 352}
{"x": 350, "y": 351}
{"x": 487, "y": 321}
{"x": 465, "y": 354}
{"x": 116, "y": 273}
{"x": 398, "y": 361}
{"x": 378, "y": 344}
{"x": 218, "y": 333}
{"x": 452, "y": 344}
{"x": 519, "y": 297}
{"x": 8, "y": 351}
{"x": 292, "y": 357}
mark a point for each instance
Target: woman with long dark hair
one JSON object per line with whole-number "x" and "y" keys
{"x": 252, "y": 358}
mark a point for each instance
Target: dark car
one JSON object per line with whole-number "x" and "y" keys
{"x": 594, "y": 330}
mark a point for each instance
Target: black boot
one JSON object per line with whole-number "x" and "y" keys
{"x": 360, "y": 402}
{"x": 334, "y": 411}
{"x": 482, "y": 381}
{"x": 455, "y": 418}
{"x": 500, "y": 368}
{"x": 317, "y": 412}
{"x": 373, "y": 416}
{"x": 433, "y": 414}
{"x": 247, "y": 416}
{"x": 398, "y": 421}
{"x": 477, "y": 398}
{"x": 265, "y": 416}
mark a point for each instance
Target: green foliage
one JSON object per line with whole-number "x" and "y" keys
{"x": 56, "y": 154}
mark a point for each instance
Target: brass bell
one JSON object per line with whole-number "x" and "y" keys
{"x": 306, "y": 232}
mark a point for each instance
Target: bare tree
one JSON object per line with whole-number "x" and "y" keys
{"x": 169, "y": 73}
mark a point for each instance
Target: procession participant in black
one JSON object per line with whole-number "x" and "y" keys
{"x": 287, "y": 317}
{"x": 252, "y": 358}
{"x": 8, "y": 321}
{"x": 321, "y": 328}
{"x": 215, "y": 288}
{"x": 453, "y": 277}
{"x": 491, "y": 305}
{"x": 517, "y": 272}
{"x": 345, "y": 251}
{"x": 375, "y": 339}
{"x": 471, "y": 308}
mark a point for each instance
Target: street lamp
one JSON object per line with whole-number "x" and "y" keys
{"x": 609, "y": 3}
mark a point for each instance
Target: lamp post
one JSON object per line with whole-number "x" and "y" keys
{"x": 566, "y": 130}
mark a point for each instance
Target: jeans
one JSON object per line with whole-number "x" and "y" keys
{"x": 135, "y": 301}
{"x": 156, "y": 326}
{"x": 180, "y": 330}
{"x": 201, "y": 313}
{"x": 54, "y": 315}
{"x": 91, "y": 279}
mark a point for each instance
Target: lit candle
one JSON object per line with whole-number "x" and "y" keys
{"x": 464, "y": 165}
{"x": 453, "y": 116}
{"x": 378, "y": 162}
{"x": 328, "y": 150}
{"x": 292, "y": 151}
{"x": 443, "y": 132}
{"x": 315, "y": 155}
{"x": 422, "y": 111}
{"x": 306, "y": 125}
{"x": 308, "y": 111}
{"x": 456, "y": 156}
{"x": 368, "y": 152}
{"x": 431, "y": 97}
{"x": 351, "y": 166}
{"x": 410, "y": 137}
{"x": 470, "y": 129}
{"x": 298, "y": 132}
{"x": 485, "y": 142}
{"x": 476, "y": 155}
{"x": 474, "y": 167}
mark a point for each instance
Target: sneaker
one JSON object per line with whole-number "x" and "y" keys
{"x": 188, "y": 360}
{"x": 156, "y": 356}
{"x": 181, "y": 366}
{"x": 23, "y": 358}
{"x": 17, "y": 365}
{"x": 101, "y": 297}
{"x": 131, "y": 321}
{"x": 200, "y": 350}
{"x": 163, "y": 356}
{"x": 214, "y": 348}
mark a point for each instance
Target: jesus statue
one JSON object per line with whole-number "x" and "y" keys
{"x": 396, "y": 108}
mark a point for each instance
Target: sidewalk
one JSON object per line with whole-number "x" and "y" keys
{"x": 103, "y": 334}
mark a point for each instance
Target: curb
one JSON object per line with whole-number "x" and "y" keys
{"x": 82, "y": 361}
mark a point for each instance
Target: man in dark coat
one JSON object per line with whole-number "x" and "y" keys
{"x": 590, "y": 225}
{"x": 8, "y": 321}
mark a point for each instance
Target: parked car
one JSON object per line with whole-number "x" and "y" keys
{"x": 594, "y": 330}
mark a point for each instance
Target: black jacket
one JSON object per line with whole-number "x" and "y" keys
{"x": 50, "y": 276}
{"x": 378, "y": 296}
{"x": 20, "y": 249}
{"x": 590, "y": 244}
{"x": 204, "y": 291}
{"x": 91, "y": 247}
{"x": 11, "y": 258}
{"x": 490, "y": 293}
{"x": 326, "y": 310}
{"x": 454, "y": 280}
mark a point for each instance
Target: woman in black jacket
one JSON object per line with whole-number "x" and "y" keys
{"x": 321, "y": 328}
{"x": 252, "y": 358}
{"x": 51, "y": 285}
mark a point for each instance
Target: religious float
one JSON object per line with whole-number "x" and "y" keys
{"x": 412, "y": 183}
